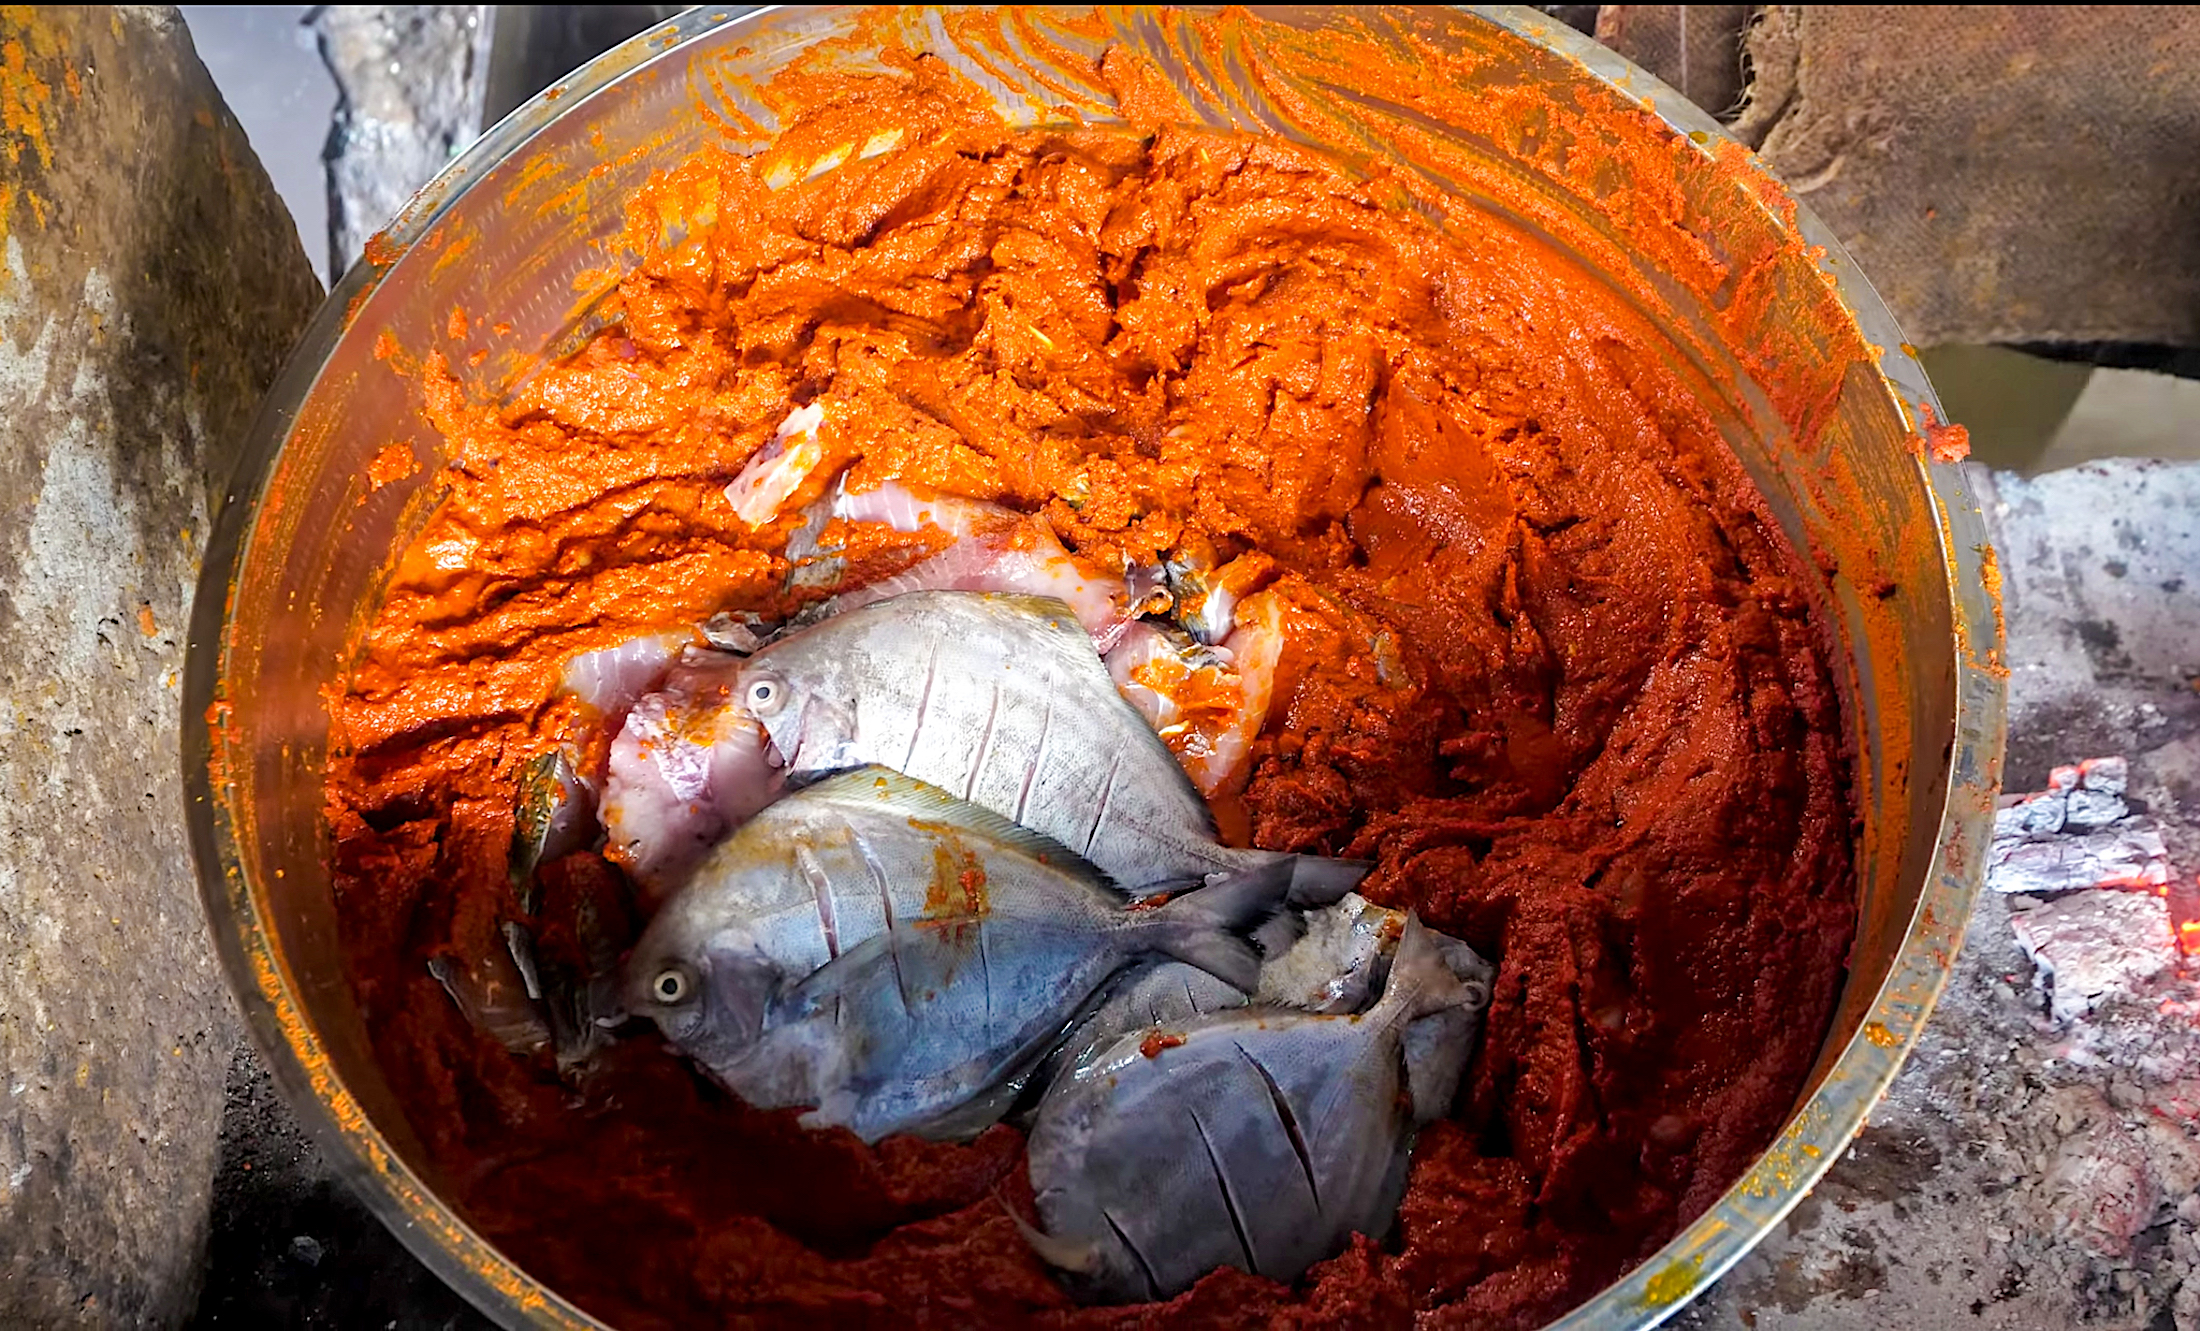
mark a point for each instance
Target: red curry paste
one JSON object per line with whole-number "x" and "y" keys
{"x": 1550, "y": 669}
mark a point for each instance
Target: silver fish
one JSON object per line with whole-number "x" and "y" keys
{"x": 873, "y": 946}
{"x": 1259, "y": 1138}
{"x": 492, "y": 994}
{"x": 1165, "y": 993}
{"x": 1330, "y": 961}
{"x": 1001, "y": 701}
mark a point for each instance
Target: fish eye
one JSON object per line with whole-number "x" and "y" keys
{"x": 766, "y": 696}
{"x": 672, "y": 985}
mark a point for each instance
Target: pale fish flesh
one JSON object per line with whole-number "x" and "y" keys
{"x": 558, "y": 805}
{"x": 688, "y": 765}
{"x": 1208, "y": 703}
{"x": 779, "y": 468}
{"x": 1258, "y": 1138}
{"x": 609, "y": 679}
{"x": 991, "y": 549}
{"x": 895, "y": 957}
{"x": 1000, "y": 700}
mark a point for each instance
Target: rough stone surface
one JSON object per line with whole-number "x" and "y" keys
{"x": 410, "y": 81}
{"x": 150, "y": 283}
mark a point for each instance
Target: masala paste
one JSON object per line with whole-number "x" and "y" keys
{"x": 1549, "y": 667}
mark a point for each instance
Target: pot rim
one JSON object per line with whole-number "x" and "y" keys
{"x": 1821, "y": 1128}
{"x": 1815, "y": 1133}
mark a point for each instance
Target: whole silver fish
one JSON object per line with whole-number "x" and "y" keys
{"x": 1259, "y": 1138}
{"x": 885, "y": 952}
{"x": 1336, "y": 964}
{"x": 1001, "y": 700}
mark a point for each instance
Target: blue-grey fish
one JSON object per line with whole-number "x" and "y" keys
{"x": 1259, "y": 1138}
{"x": 894, "y": 956}
{"x": 1001, "y": 700}
{"x": 1329, "y": 961}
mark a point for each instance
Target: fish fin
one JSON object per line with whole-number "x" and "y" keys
{"x": 1202, "y": 926}
{"x": 1420, "y": 982}
{"x": 1046, "y": 607}
{"x": 1062, "y": 1254}
{"x": 1319, "y": 881}
{"x": 1227, "y": 957}
{"x": 839, "y": 1108}
{"x": 883, "y": 787}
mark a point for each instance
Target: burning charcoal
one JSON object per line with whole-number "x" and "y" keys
{"x": 2128, "y": 854}
{"x": 2093, "y": 946}
{"x": 2109, "y": 776}
{"x": 2031, "y": 815}
{"x": 2095, "y": 793}
{"x": 2091, "y": 810}
{"x": 2078, "y": 833}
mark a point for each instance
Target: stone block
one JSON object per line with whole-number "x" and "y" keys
{"x": 150, "y": 285}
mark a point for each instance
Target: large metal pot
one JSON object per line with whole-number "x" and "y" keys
{"x": 515, "y": 231}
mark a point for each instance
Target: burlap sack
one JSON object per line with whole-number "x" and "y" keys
{"x": 2001, "y": 173}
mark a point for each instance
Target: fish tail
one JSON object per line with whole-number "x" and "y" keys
{"x": 1420, "y": 983}
{"x": 1317, "y": 880}
{"x": 1202, "y": 927}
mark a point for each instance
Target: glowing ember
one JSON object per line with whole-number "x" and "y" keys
{"x": 2078, "y": 833}
{"x": 2096, "y": 945}
{"x": 2184, "y": 912}
{"x": 2094, "y": 903}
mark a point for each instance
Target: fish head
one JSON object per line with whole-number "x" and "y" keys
{"x": 793, "y": 691}
{"x": 707, "y": 988}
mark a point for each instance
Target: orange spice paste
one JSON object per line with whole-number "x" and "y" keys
{"x": 1550, "y": 668}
